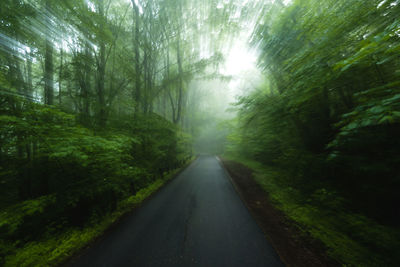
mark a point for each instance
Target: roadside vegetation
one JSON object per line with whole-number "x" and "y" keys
{"x": 351, "y": 238}
{"x": 71, "y": 184}
{"x": 56, "y": 248}
{"x": 101, "y": 101}
{"x": 322, "y": 131}
{"x": 94, "y": 116}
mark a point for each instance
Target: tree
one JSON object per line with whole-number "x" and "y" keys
{"x": 48, "y": 61}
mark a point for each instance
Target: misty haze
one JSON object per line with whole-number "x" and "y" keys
{"x": 199, "y": 133}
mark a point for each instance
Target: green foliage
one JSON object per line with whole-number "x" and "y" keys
{"x": 98, "y": 141}
{"x": 331, "y": 111}
{"x": 328, "y": 121}
{"x": 56, "y": 248}
{"x": 161, "y": 143}
{"x": 57, "y": 175}
{"x": 351, "y": 238}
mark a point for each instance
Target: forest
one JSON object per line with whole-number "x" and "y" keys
{"x": 104, "y": 101}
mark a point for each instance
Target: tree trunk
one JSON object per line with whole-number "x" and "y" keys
{"x": 101, "y": 70}
{"x": 29, "y": 85}
{"x": 172, "y": 105}
{"x": 48, "y": 65}
{"x": 86, "y": 86}
{"x": 180, "y": 85}
{"x": 60, "y": 76}
{"x": 146, "y": 81}
{"x": 137, "y": 57}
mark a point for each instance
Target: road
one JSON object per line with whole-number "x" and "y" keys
{"x": 198, "y": 219}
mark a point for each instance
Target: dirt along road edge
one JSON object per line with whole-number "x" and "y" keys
{"x": 292, "y": 245}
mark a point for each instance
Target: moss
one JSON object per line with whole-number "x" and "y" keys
{"x": 56, "y": 249}
{"x": 351, "y": 238}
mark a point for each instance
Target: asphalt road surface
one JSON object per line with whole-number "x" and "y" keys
{"x": 198, "y": 219}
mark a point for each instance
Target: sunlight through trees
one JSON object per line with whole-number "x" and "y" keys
{"x": 103, "y": 99}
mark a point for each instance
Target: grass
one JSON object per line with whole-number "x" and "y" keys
{"x": 352, "y": 239}
{"x": 55, "y": 250}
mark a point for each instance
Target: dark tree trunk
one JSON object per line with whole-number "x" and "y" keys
{"x": 60, "y": 76}
{"x": 85, "y": 89}
{"x": 48, "y": 65}
{"x": 29, "y": 85}
{"x": 180, "y": 85}
{"x": 136, "y": 45}
{"x": 101, "y": 71}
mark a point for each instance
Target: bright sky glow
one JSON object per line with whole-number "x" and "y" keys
{"x": 239, "y": 60}
{"x": 241, "y": 64}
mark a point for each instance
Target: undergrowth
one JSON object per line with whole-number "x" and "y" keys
{"x": 56, "y": 249}
{"x": 351, "y": 238}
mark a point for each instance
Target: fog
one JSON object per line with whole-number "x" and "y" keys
{"x": 215, "y": 99}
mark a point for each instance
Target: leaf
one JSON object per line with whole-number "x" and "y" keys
{"x": 386, "y": 119}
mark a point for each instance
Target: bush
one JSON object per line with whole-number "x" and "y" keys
{"x": 56, "y": 174}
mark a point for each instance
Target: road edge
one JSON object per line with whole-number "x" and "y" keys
{"x": 240, "y": 194}
{"x": 293, "y": 248}
{"x": 72, "y": 258}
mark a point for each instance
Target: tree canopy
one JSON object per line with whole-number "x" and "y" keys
{"x": 102, "y": 99}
